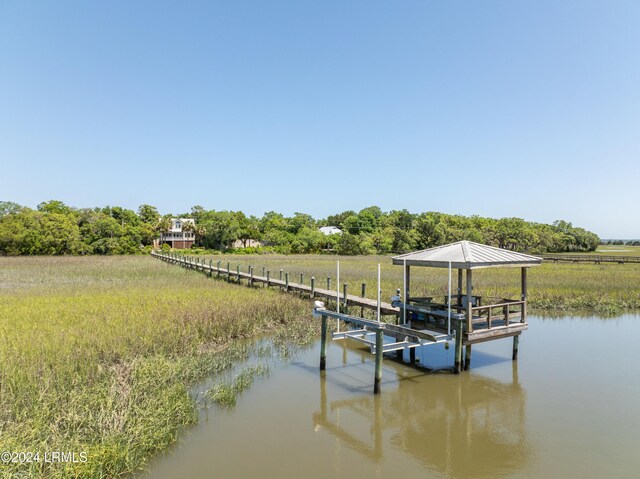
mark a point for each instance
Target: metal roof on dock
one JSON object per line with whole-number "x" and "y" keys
{"x": 467, "y": 255}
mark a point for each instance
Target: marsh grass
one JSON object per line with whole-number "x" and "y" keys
{"x": 553, "y": 287}
{"x": 98, "y": 355}
{"x": 226, "y": 393}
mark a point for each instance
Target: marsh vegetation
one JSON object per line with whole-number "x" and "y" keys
{"x": 99, "y": 354}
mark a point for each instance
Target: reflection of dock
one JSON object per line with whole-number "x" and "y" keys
{"x": 468, "y": 426}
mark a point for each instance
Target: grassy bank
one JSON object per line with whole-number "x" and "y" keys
{"x": 98, "y": 355}
{"x": 555, "y": 287}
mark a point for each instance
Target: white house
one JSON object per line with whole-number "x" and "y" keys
{"x": 180, "y": 234}
{"x": 330, "y": 230}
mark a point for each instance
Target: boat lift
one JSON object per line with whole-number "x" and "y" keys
{"x": 373, "y": 332}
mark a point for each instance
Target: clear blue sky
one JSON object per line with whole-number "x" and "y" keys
{"x": 496, "y": 108}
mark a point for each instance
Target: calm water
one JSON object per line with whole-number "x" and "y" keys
{"x": 570, "y": 407}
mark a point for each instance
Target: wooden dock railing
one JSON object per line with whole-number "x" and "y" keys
{"x": 590, "y": 258}
{"x": 283, "y": 281}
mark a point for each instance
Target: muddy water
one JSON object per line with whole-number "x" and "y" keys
{"x": 570, "y": 407}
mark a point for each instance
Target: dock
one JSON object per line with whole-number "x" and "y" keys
{"x": 591, "y": 258}
{"x": 211, "y": 268}
{"x": 461, "y": 317}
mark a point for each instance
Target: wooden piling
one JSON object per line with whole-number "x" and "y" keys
{"x": 379, "y": 354}
{"x": 301, "y": 278}
{"x": 280, "y": 275}
{"x": 344, "y": 295}
{"x": 323, "y": 344}
{"x": 458, "y": 347}
{"x": 238, "y": 273}
{"x": 218, "y": 270}
{"x": 210, "y": 268}
{"x": 228, "y": 272}
{"x": 286, "y": 281}
{"x": 268, "y": 277}
{"x": 516, "y": 340}
{"x": 313, "y": 286}
{"x": 467, "y": 357}
{"x": 250, "y": 276}
{"x": 328, "y": 283}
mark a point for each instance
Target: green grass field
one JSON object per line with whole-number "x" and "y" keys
{"x": 98, "y": 355}
{"x": 554, "y": 287}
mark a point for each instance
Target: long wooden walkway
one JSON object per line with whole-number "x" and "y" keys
{"x": 251, "y": 279}
{"x": 590, "y": 258}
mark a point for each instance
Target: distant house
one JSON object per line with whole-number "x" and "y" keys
{"x": 250, "y": 243}
{"x": 330, "y": 230}
{"x": 181, "y": 233}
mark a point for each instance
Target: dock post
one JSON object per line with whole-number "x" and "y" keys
{"x": 516, "y": 340}
{"x": 218, "y": 271}
{"x": 210, "y": 268}
{"x": 228, "y": 272}
{"x": 344, "y": 295}
{"x": 238, "y": 273}
{"x": 301, "y": 278}
{"x": 313, "y": 286}
{"x": 379, "y": 354}
{"x": 280, "y": 275}
{"x": 250, "y": 276}
{"x": 263, "y": 271}
{"x": 362, "y": 295}
{"x": 323, "y": 344}
{"x": 329, "y": 283}
{"x": 286, "y": 281}
{"x": 467, "y": 357}
{"x": 458, "y": 360}
{"x": 268, "y": 277}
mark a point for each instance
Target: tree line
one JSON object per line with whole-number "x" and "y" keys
{"x": 55, "y": 228}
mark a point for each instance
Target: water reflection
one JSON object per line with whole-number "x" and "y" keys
{"x": 461, "y": 426}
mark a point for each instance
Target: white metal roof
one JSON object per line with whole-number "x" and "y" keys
{"x": 330, "y": 230}
{"x": 467, "y": 255}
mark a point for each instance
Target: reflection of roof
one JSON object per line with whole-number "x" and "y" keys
{"x": 467, "y": 255}
{"x": 330, "y": 230}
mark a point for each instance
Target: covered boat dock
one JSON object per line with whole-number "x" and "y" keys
{"x": 460, "y": 315}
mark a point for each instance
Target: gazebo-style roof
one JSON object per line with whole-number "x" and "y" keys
{"x": 467, "y": 255}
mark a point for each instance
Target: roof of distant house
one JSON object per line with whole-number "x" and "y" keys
{"x": 330, "y": 230}
{"x": 176, "y": 224}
